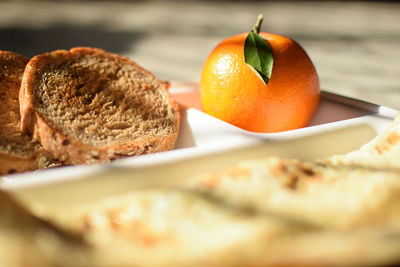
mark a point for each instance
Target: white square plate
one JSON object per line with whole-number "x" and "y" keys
{"x": 205, "y": 143}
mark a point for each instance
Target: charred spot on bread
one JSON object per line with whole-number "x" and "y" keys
{"x": 65, "y": 142}
{"x": 11, "y": 171}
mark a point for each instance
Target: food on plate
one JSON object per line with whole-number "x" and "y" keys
{"x": 281, "y": 93}
{"x": 334, "y": 197}
{"x": 175, "y": 228}
{"x": 381, "y": 152}
{"x": 266, "y": 212}
{"x": 27, "y": 240}
{"x": 206, "y": 230}
{"x": 183, "y": 227}
{"x": 18, "y": 151}
{"x": 86, "y": 105}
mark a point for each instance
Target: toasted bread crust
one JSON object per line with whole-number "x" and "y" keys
{"x": 63, "y": 142}
{"x": 18, "y": 151}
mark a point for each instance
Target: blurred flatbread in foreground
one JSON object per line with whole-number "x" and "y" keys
{"x": 383, "y": 152}
{"x": 241, "y": 220}
{"x": 30, "y": 241}
{"x": 178, "y": 228}
{"x": 344, "y": 211}
{"x": 331, "y": 197}
{"x": 185, "y": 228}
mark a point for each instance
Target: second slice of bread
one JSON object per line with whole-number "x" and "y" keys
{"x": 18, "y": 151}
{"x": 87, "y": 105}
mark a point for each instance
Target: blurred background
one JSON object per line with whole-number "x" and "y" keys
{"x": 355, "y": 45}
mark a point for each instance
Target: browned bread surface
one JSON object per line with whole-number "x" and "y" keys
{"x": 18, "y": 151}
{"x": 87, "y": 105}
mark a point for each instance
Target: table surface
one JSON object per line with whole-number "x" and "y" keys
{"x": 354, "y": 45}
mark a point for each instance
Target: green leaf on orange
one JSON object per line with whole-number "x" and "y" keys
{"x": 258, "y": 55}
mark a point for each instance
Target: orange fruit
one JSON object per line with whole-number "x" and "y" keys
{"x": 232, "y": 92}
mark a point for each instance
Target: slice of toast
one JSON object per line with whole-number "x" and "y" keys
{"x": 86, "y": 105}
{"x": 18, "y": 151}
